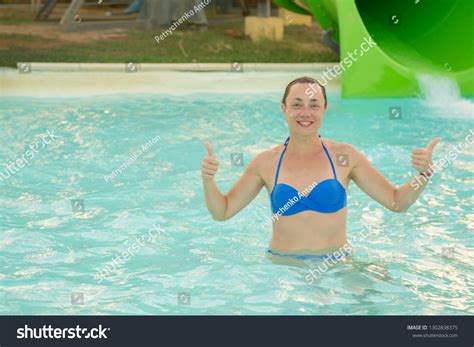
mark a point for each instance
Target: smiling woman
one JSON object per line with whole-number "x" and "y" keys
{"x": 317, "y": 222}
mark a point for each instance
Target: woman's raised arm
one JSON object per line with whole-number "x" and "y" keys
{"x": 222, "y": 206}
{"x": 374, "y": 184}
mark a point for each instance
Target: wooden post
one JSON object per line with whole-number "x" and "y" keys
{"x": 71, "y": 12}
{"x": 243, "y": 6}
{"x": 264, "y": 8}
{"x": 46, "y": 10}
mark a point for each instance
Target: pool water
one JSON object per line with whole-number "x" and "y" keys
{"x": 66, "y": 217}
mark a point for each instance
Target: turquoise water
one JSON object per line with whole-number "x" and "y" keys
{"x": 179, "y": 260}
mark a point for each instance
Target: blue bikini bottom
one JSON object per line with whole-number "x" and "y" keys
{"x": 329, "y": 256}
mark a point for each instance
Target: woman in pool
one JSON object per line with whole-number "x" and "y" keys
{"x": 308, "y": 177}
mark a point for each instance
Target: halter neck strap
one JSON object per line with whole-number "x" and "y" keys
{"x": 285, "y": 146}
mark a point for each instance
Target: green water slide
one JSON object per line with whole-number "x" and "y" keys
{"x": 413, "y": 37}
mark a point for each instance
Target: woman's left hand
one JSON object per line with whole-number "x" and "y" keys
{"x": 422, "y": 158}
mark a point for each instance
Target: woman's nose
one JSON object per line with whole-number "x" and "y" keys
{"x": 306, "y": 111}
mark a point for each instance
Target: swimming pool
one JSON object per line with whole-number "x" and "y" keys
{"x": 121, "y": 173}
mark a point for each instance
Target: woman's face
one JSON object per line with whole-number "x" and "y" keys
{"x": 304, "y": 109}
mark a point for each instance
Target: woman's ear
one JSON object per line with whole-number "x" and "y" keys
{"x": 283, "y": 107}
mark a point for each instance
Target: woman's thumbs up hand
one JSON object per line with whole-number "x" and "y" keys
{"x": 422, "y": 158}
{"x": 210, "y": 164}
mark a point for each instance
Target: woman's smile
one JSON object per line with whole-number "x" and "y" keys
{"x": 304, "y": 124}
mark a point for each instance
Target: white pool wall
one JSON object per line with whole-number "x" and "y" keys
{"x": 77, "y": 79}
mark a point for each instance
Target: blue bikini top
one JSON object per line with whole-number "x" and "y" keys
{"x": 327, "y": 196}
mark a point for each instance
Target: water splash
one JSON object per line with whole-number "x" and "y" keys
{"x": 442, "y": 94}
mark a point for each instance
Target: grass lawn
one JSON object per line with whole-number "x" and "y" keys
{"x": 22, "y": 40}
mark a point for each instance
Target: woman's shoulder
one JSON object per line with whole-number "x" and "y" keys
{"x": 337, "y": 148}
{"x": 266, "y": 158}
{"x": 271, "y": 153}
{"x": 340, "y": 147}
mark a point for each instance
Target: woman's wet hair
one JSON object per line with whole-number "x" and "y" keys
{"x": 304, "y": 79}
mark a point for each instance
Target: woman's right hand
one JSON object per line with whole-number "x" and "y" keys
{"x": 210, "y": 164}
{"x": 225, "y": 206}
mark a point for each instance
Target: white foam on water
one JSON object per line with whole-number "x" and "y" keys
{"x": 442, "y": 94}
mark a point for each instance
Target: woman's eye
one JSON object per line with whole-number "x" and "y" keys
{"x": 297, "y": 105}
{"x": 315, "y": 106}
